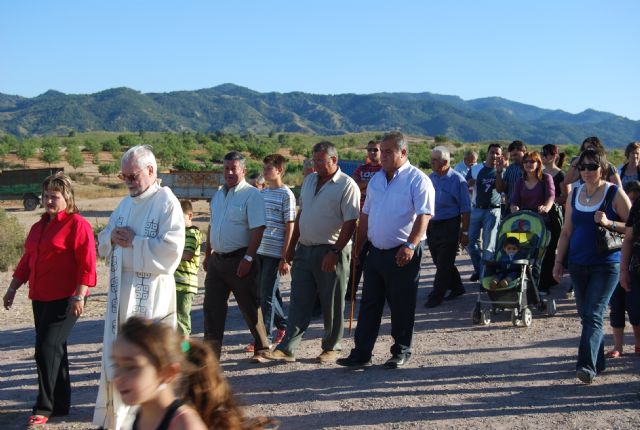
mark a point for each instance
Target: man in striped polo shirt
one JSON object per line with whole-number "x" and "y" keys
{"x": 280, "y": 215}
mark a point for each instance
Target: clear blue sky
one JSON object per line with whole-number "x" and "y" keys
{"x": 559, "y": 54}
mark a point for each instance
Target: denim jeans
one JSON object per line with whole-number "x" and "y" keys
{"x": 486, "y": 220}
{"x": 593, "y": 286}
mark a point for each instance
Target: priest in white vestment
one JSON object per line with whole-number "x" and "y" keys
{"x": 143, "y": 243}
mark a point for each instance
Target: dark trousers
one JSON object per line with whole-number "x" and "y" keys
{"x": 442, "y": 239}
{"x": 355, "y": 275}
{"x": 53, "y": 326}
{"x": 221, "y": 280}
{"x": 269, "y": 295}
{"x": 398, "y": 286}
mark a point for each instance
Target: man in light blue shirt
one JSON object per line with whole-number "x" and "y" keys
{"x": 448, "y": 227}
{"x": 396, "y": 212}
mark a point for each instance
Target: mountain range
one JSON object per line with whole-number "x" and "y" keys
{"x": 232, "y": 108}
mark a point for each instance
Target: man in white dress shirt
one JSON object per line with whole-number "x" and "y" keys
{"x": 395, "y": 216}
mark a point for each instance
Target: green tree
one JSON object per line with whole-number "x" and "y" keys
{"x": 216, "y": 151}
{"x": 94, "y": 148}
{"x": 108, "y": 169}
{"x": 50, "y": 151}
{"x": 441, "y": 139}
{"x": 4, "y": 150}
{"x": 26, "y": 149}
{"x": 74, "y": 157}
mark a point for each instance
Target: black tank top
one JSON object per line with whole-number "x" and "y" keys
{"x": 168, "y": 416}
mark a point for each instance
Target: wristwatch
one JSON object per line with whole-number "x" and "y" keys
{"x": 76, "y": 298}
{"x": 410, "y": 245}
{"x": 248, "y": 258}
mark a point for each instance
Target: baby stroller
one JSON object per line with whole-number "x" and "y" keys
{"x": 521, "y": 294}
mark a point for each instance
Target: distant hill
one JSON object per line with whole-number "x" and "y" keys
{"x": 233, "y": 108}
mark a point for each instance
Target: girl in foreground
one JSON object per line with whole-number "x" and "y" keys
{"x": 176, "y": 382}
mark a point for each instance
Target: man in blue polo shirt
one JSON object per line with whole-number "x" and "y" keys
{"x": 485, "y": 215}
{"x": 448, "y": 227}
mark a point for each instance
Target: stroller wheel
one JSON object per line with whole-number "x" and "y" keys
{"x": 485, "y": 316}
{"x": 551, "y": 307}
{"x": 515, "y": 320}
{"x": 475, "y": 314}
{"x": 527, "y": 317}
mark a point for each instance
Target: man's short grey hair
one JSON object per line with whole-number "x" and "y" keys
{"x": 471, "y": 153}
{"x": 235, "y": 156}
{"x": 142, "y": 155}
{"x": 443, "y": 151}
{"x": 397, "y": 138}
{"x": 326, "y": 147}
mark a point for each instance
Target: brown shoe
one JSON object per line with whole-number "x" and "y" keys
{"x": 327, "y": 357}
{"x": 260, "y": 357}
{"x": 278, "y": 355}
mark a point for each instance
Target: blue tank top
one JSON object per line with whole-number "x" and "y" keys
{"x": 582, "y": 246}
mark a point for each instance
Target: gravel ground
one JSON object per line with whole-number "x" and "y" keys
{"x": 460, "y": 376}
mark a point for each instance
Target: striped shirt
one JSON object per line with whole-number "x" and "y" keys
{"x": 280, "y": 208}
{"x": 512, "y": 173}
{"x": 186, "y": 275}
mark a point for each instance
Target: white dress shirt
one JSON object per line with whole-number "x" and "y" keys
{"x": 393, "y": 206}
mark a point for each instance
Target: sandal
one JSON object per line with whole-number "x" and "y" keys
{"x": 35, "y": 420}
{"x": 614, "y": 353}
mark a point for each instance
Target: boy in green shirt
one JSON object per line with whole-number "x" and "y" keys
{"x": 186, "y": 274}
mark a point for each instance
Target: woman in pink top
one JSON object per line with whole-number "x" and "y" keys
{"x": 535, "y": 191}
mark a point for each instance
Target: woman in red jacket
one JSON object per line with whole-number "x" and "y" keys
{"x": 59, "y": 262}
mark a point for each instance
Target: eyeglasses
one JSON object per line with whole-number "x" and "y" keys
{"x": 130, "y": 178}
{"x": 529, "y": 162}
{"x": 590, "y": 167}
{"x": 374, "y": 150}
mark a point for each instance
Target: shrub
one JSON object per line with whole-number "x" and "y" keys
{"x": 11, "y": 241}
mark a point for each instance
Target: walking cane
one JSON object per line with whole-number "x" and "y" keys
{"x": 353, "y": 283}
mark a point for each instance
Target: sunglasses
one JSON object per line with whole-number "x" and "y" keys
{"x": 590, "y": 167}
{"x": 129, "y": 178}
{"x": 529, "y": 162}
{"x": 374, "y": 150}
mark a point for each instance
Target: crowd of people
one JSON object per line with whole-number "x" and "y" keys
{"x": 154, "y": 376}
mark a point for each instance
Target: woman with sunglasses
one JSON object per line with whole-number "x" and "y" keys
{"x": 535, "y": 191}
{"x": 594, "y": 274}
{"x": 573, "y": 175}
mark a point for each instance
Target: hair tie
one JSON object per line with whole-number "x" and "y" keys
{"x": 185, "y": 346}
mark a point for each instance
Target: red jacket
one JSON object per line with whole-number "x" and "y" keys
{"x": 58, "y": 256}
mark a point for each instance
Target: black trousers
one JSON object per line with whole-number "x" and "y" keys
{"x": 53, "y": 326}
{"x": 384, "y": 281}
{"x": 220, "y": 282}
{"x": 442, "y": 239}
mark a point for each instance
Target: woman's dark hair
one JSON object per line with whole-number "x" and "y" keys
{"x": 598, "y": 158}
{"x": 630, "y": 148}
{"x": 594, "y": 142}
{"x": 202, "y": 383}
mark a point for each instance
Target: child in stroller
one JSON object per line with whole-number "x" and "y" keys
{"x": 507, "y": 271}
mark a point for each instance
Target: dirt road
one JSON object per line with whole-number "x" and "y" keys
{"x": 460, "y": 376}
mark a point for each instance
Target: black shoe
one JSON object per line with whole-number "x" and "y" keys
{"x": 353, "y": 362}
{"x": 455, "y": 294}
{"x": 432, "y": 303}
{"x": 474, "y": 277}
{"x": 396, "y": 361}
